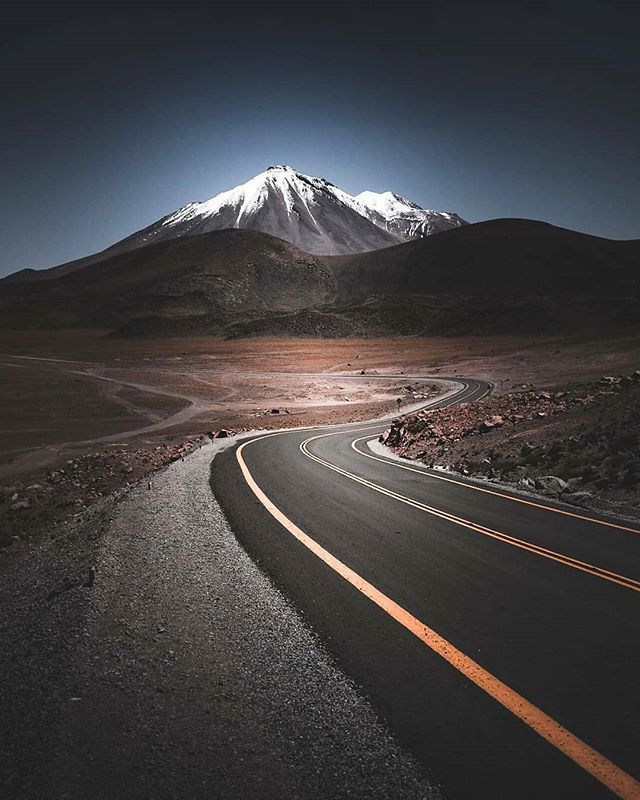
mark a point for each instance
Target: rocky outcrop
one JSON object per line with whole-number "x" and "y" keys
{"x": 580, "y": 444}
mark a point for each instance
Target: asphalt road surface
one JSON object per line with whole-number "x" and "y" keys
{"x": 496, "y": 634}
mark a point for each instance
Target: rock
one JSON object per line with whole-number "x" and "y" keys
{"x": 577, "y": 498}
{"x": 19, "y": 505}
{"x": 384, "y": 436}
{"x": 550, "y": 484}
{"x": 492, "y": 422}
{"x": 224, "y": 433}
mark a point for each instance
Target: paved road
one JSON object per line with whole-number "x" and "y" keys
{"x": 497, "y": 636}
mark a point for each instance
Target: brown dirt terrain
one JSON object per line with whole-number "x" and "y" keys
{"x": 85, "y": 414}
{"x": 578, "y": 443}
{"x": 504, "y": 276}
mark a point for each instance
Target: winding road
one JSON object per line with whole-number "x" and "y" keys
{"x": 496, "y": 634}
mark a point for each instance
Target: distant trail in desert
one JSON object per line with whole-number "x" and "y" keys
{"x": 44, "y": 456}
{"x": 41, "y": 457}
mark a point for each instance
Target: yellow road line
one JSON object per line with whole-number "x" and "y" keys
{"x": 569, "y": 561}
{"x": 606, "y": 772}
{"x": 475, "y": 488}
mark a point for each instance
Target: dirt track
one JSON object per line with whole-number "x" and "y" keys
{"x": 82, "y": 389}
{"x": 84, "y": 414}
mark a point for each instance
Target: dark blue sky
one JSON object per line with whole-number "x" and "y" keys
{"x": 116, "y": 114}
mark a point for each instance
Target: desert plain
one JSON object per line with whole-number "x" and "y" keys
{"x": 85, "y": 414}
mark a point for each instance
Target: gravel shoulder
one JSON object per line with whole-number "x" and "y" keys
{"x": 180, "y": 671}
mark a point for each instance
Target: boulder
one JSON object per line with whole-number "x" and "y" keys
{"x": 492, "y": 422}
{"x": 577, "y": 498}
{"x": 550, "y": 484}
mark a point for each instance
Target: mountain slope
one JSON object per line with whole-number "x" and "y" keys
{"x": 504, "y": 257}
{"x": 211, "y": 279}
{"x": 309, "y": 212}
{"x": 403, "y": 218}
{"x": 503, "y": 276}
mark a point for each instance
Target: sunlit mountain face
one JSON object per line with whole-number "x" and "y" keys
{"x": 309, "y": 212}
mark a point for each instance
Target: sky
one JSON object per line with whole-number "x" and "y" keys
{"x": 116, "y": 114}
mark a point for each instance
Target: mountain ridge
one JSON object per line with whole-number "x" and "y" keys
{"x": 502, "y": 276}
{"x": 311, "y": 213}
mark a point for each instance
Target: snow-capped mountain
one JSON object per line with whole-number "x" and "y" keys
{"x": 309, "y": 212}
{"x": 403, "y": 218}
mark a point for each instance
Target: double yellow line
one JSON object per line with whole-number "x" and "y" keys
{"x": 598, "y": 572}
{"x": 523, "y": 501}
{"x": 601, "y": 768}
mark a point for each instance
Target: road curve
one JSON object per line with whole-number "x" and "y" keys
{"x": 496, "y": 634}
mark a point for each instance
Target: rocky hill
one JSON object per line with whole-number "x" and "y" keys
{"x": 504, "y": 276}
{"x": 194, "y": 283}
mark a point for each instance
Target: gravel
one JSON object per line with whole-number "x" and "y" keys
{"x": 180, "y": 671}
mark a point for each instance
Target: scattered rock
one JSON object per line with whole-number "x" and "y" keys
{"x": 493, "y": 422}
{"x": 577, "y": 498}
{"x": 550, "y": 484}
{"x": 224, "y": 433}
{"x": 582, "y": 442}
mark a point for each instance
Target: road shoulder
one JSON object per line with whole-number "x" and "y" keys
{"x": 180, "y": 670}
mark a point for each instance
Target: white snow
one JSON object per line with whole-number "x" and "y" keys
{"x": 310, "y": 212}
{"x": 387, "y": 203}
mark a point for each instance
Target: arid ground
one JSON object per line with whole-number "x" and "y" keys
{"x": 99, "y": 412}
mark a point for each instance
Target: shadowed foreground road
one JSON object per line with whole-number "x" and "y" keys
{"x": 497, "y": 635}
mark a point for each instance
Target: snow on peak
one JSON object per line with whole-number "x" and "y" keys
{"x": 388, "y": 204}
{"x": 310, "y": 212}
{"x": 404, "y": 218}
